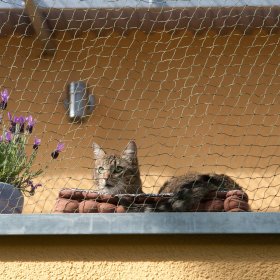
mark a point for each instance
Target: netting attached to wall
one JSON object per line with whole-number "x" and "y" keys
{"x": 195, "y": 86}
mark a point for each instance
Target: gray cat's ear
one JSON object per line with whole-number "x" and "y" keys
{"x": 130, "y": 152}
{"x": 98, "y": 151}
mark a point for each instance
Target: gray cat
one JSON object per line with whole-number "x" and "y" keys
{"x": 117, "y": 174}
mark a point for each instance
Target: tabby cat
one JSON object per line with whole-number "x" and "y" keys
{"x": 117, "y": 174}
{"x": 191, "y": 188}
{"x": 188, "y": 190}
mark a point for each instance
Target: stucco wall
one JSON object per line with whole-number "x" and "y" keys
{"x": 139, "y": 257}
{"x": 207, "y": 103}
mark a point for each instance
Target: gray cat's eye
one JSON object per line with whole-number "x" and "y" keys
{"x": 100, "y": 170}
{"x": 118, "y": 169}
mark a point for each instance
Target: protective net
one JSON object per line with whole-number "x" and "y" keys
{"x": 194, "y": 84}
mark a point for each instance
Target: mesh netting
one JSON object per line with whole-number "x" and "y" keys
{"x": 196, "y": 88}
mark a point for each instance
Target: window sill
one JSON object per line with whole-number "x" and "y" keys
{"x": 140, "y": 223}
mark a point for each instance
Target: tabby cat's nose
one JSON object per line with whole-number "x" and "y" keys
{"x": 106, "y": 175}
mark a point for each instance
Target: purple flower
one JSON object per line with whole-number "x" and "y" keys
{"x": 30, "y": 123}
{"x": 37, "y": 143}
{"x": 13, "y": 123}
{"x": 1, "y": 138}
{"x": 4, "y": 99}
{"x": 10, "y": 117}
{"x": 8, "y": 136}
{"x": 20, "y": 121}
{"x": 59, "y": 148}
{"x": 17, "y": 120}
{"x": 5, "y": 95}
{"x": 33, "y": 187}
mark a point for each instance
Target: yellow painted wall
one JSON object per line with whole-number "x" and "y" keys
{"x": 141, "y": 257}
{"x": 208, "y": 103}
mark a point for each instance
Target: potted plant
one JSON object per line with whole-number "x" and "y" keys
{"x": 16, "y": 172}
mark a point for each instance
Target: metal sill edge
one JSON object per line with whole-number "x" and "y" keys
{"x": 140, "y": 223}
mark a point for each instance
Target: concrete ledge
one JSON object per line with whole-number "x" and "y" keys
{"x": 140, "y": 223}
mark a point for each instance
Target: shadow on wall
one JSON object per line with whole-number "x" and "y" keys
{"x": 141, "y": 248}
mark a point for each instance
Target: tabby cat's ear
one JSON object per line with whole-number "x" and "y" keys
{"x": 98, "y": 151}
{"x": 130, "y": 152}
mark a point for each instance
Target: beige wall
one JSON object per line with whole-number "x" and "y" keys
{"x": 207, "y": 103}
{"x": 139, "y": 257}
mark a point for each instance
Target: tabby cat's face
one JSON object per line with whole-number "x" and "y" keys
{"x": 116, "y": 174}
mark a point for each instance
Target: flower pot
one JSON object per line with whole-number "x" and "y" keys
{"x": 11, "y": 199}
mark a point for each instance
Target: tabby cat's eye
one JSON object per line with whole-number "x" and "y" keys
{"x": 100, "y": 170}
{"x": 119, "y": 169}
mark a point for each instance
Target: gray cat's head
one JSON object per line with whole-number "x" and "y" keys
{"x": 116, "y": 174}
